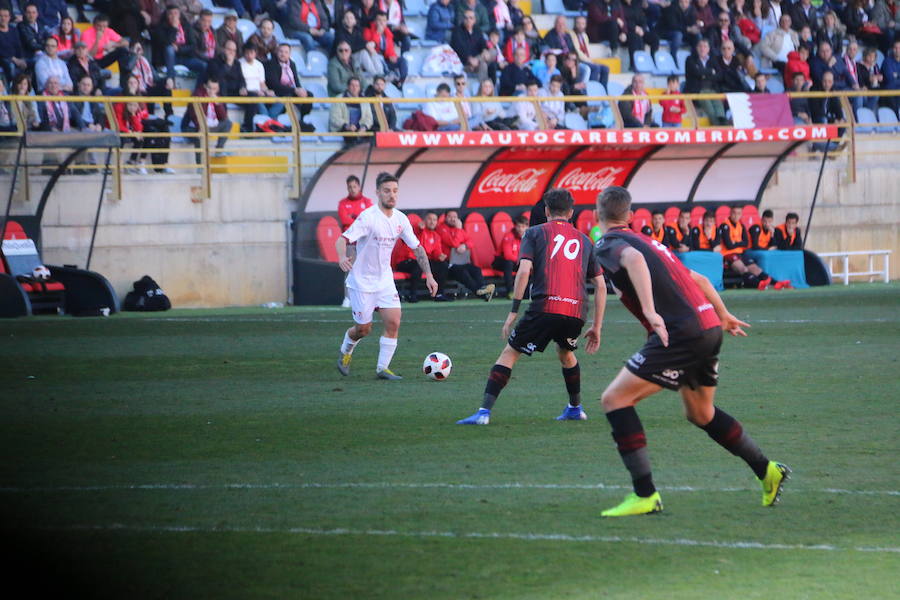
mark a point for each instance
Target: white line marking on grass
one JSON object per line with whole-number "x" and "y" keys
{"x": 402, "y": 485}
{"x": 290, "y": 318}
{"x": 531, "y": 537}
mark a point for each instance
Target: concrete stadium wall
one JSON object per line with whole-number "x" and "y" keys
{"x": 232, "y": 250}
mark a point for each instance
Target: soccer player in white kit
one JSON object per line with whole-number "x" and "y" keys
{"x": 370, "y": 283}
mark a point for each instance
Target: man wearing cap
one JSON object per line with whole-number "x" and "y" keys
{"x": 228, "y": 31}
{"x": 82, "y": 65}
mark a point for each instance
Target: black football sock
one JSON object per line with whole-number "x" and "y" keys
{"x": 572, "y": 377}
{"x": 631, "y": 442}
{"x": 497, "y": 380}
{"x": 728, "y": 433}
{"x": 750, "y": 280}
{"x": 763, "y": 276}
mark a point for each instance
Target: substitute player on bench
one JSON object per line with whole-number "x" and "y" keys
{"x": 560, "y": 258}
{"x": 370, "y": 285}
{"x": 684, "y": 317}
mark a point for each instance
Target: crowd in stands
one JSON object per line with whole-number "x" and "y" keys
{"x": 734, "y": 46}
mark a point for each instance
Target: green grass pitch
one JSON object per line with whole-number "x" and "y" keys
{"x": 219, "y": 454}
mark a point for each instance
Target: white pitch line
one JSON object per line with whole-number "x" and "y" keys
{"x": 531, "y": 537}
{"x": 401, "y": 485}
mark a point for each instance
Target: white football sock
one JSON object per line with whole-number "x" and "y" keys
{"x": 348, "y": 345}
{"x": 386, "y": 348}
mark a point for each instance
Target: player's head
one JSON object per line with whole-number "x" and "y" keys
{"x": 387, "y": 189}
{"x": 521, "y": 224}
{"x": 657, "y": 219}
{"x": 709, "y": 219}
{"x": 736, "y": 213}
{"x": 558, "y": 203}
{"x": 451, "y": 217}
{"x": 684, "y": 218}
{"x": 431, "y": 220}
{"x": 353, "y": 186}
{"x": 614, "y": 206}
{"x": 791, "y": 220}
{"x": 767, "y": 218}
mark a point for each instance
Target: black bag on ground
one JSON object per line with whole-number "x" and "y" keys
{"x": 146, "y": 296}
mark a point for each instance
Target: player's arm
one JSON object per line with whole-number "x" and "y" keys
{"x": 344, "y": 261}
{"x": 730, "y": 323}
{"x": 636, "y": 267}
{"x": 593, "y": 334}
{"x": 521, "y": 283}
{"x": 422, "y": 259}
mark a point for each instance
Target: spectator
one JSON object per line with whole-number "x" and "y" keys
{"x": 376, "y": 90}
{"x": 787, "y": 235}
{"x": 189, "y": 9}
{"x": 282, "y": 79}
{"x": 365, "y": 13}
{"x": 730, "y": 77}
{"x": 527, "y": 112}
{"x": 129, "y": 18}
{"x": 30, "y": 34}
{"x": 890, "y": 69}
{"x": 680, "y": 235}
{"x": 806, "y": 39}
{"x": 12, "y": 55}
{"x": 456, "y": 239}
{"x": 50, "y": 65}
{"x": 205, "y": 40}
{"x": 516, "y": 14}
{"x": 636, "y": 30}
{"x": 175, "y": 44}
{"x": 830, "y": 32}
{"x": 341, "y": 70}
{"x": 255, "y": 83}
{"x": 136, "y": 118}
{"x": 554, "y": 110}
{"x": 215, "y": 113}
{"x": 826, "y": 110}
{"x": 579, "y": 42}
{"x": 264, "y": 40}
{"x": 310, "y": 22}
{"x": 440, "y": 23}
{"x": 734, "y": 241}
{"x": 348, "y": 31}
{"x": 826, "y": 61}
{"x": 488, "y": 116}
{"x": 532, "y": 36}
{"x": 705, "y": 17}
{"x": 482, "y": 20}
{"x": 558, "y": 38}
{"x": 468, "y": 43}
{"x": 226, "y": 69}
{"x": 849, "y": 63}
{"x": 57, "y": 115}
{"x": 546, "y": 68}
{"x": 725, "y": 31}
{"x": 803, "y": 14}
{"x": 765, "y": 15}
{"x": 673, "y": 110}
{"x": 432, "y": 242}
{"x": 800, "y": 106}
{"x": 761, "y": 82}
{"x": 493, "y": 54}
{"x": 352, "y": 205}
{"x": 741, "y": 15}
{"x": 658, "y": 230}
{"x": 501, "y": 19}
{"x": 797, "y": 62}
{"x": 516, "y": 75}
{"x": 106, "y": 46}
{"x": 679, "y": 22}
{"x": 7, "y": 122}
{"x": 778, "y": 44}
{"x": 228, "y": 31}
{"x": 706, "y": 237}
{"x": 93, "y": 116}
{"x": 870, "y": 76}
{"x": 702, "y": 77}
{"x": 21, "y": 86}
{"x": 636, "y": 113}
{"x": 514, "y": 41}
{"x": 66, "y": 38}
{"x": 351, "y": 117}
{"x": 148, "y": 84}
{"x": 606, "y": 23}
{"x": 381, "y": 36}
{"x": 50, "y": 14}
{"x": 761, "y": 233}
{"x": 508, "y": 256}
{"x": 251, "y": 9}
{"x": 573, "y": 84}
{"x": 460, "y": 88}
{"x": 444, "y": 113}
{"x": 82, "y": 64}
{"x": 395, "y": 20}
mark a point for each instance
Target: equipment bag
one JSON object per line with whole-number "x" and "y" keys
{"x": 146, "y": 296}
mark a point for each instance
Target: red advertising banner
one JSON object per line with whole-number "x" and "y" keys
{"x": 511, "y": 184}
{"x": 574, "y": 137}
{"x": 585, "y": 178}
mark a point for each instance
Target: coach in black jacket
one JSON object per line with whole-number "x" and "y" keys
{"x": 281, "y": 78}
{"x": 730, "y": 78}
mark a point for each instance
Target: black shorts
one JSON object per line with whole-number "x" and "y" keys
{"x": 536, "y": 329}
{"x": 744, "y": 259}
{"x": 693, "y": 362}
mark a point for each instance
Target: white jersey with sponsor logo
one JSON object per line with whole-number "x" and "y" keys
{"x": 375, "y": 235}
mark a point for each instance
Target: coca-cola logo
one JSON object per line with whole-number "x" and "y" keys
{"x": 517, "y": 182}
{"x": 598, "y": 180}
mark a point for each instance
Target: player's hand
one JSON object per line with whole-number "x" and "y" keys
{"x": 593, "y": 340}
{"x": 732, "y": 325}
{"x": 345, "y": 264}
{"x": 432, "y": 285}
{"x": 658, "y": 325}
{"x": 507, "y": 325}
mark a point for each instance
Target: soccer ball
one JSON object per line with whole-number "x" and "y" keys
{"x": 40, "y": 272}
{"x": 437, "y": 366}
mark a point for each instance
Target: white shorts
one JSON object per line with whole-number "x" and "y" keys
{"x": 363, "y": 304}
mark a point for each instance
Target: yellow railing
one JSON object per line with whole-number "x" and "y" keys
{"x": 298, "y": 139}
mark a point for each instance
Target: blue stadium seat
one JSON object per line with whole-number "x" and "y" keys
{"x": 556, "y": 7}
{"x": 319, "y": 120}
{"x": 246, "y": 27}
{"x": 864, "y": 116}
{"x": 887, "y": 116}
{"x": 391, "y": 91}
{"x": 595, "y": 88}
{"x": 775, "y": 85}
{"x": 316, "y": 64}
{"x": 414, "y": 59}
{"x": 643, "y": 62}
{"x": 413, "y": 89}
{"x": 318, "y": 90}
{"x": 278, "y": 32}
{"x": 615, "y": 88}
{"x": 665, "y": 64}
{"x": 681, "y": 57}
{"x": 575, "y": 121}
{"x": 416, "y": 7}
{"x": 657, "y": 115}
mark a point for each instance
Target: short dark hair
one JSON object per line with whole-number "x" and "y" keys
{"x": 709, "y": 215}
{"x": 558, "y": 201}
{"x": 101, "y": 17}
{"x": 206, "y": 13}
{"x": 443, "y": 87}
{"x": 684, "y": 211}
{"x": 672, "y": 78}
{"x": 614, "y": 203}
{"x": 384, "y": 177}
{"x": 792, "y": 215}
{"x": 378, "y": 78}
{"x": 657, "y": 212}
{"x": 212, "y": 80}
{"x": 767, "y": 214}
{"x": 521, "y": 219}
{"x": 557, "y": 78}
{"x": 352, "y": 178}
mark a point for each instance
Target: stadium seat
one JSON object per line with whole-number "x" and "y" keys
{"x": 246, "y": 27}
{"x": 327, "y": 232}
{"x": 19, "y": 257}
{"x": 414, "y": 61}
{"x": 501, "y": 223}
{"x": 615, "y": 88}
{"x": 585, "y": 221}
{"x": 681, "y": 57}
{"x": 643, "y": 62}
{"x": 595, "y": 88}
{"x": 316, "y": 64}
{"x": 887, "y": 116}
{"x": 556, "y": 7}
{"x": 319, "y": 120}
{"x": 431, "y": 88}
{"x": 775, "y": 85}
{"x": 414, "y": 220}
{"x": 278, "y": 32}
{"x": 750, "y": 216}
{"x": 575, "y": 121}
{"x": 671, "y": 215}
{"x": 416, "y": 7}
{"x": 665, "y": 64}
{"x": 398, "y": 255}
{"x": 482, "y": 245}
{"x": 318, "y": 89}
{"x": 527, "y": 215}
{"x": 391, "y": 91}
{"x": 722, "y": 214}
{"x": 865, "y": 116}
{"x": 413, "y": 89}
{"x": 657, "y": 113}
{"x": 697, "y": 215}
{"x": 641, "y": 217}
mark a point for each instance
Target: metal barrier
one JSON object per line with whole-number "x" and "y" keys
{"x": 846, "y": 274}
{"x": 299, "y": 140}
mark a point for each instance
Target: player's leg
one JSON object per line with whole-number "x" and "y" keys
{"x": 496, "y": 381}
{"x": 725, "y": 430}
{"x": 619, "y": 400}
{"x": 747, "y": 276}
{"x": 566, "y": 336}
{"x": 387, "y": 344}
{"x": 362, "y": 305}
{"x": 763, "y": 279}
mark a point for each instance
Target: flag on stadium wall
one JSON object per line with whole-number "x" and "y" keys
{"x": 760, "y": 110}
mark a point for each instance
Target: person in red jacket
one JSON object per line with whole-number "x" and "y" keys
{"x": 353, "y": 203}
{"x": 458, "y": 248}
{"x": 431, "y": 240}
{"x": 797, "y": 63}
{"x": 508, "y": 257}
{"x": 380, "y": 34}
{"x": 673, "y": 110}
{"x": 130, "y": 119}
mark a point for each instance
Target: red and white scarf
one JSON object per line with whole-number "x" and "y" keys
{"x": 53, "y": 118}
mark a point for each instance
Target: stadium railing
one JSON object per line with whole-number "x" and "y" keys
{"x": 883, "y": 274}
{"x": 258, "y": 158}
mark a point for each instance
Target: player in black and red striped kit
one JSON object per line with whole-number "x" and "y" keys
{"x": 684, "y": 317}
{"x": 559, "y": 258}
